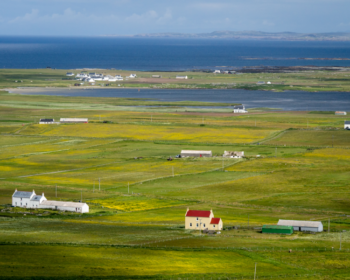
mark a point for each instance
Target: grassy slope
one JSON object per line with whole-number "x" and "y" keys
{"x": 299, "y": 183}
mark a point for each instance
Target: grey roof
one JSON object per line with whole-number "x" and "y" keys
{"x": 46, "y": 120}
{"x": 22, "y": 194}
{"x": 347, "y": 122}
{"x": 36, "y": 198}
{"x": 62, "y": 203}
{"x": 299, "y": 223}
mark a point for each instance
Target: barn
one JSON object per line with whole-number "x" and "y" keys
{"x": 74, "y": 120}
{"x": 302, "y": 225}
{"x": 192, "y": 153}
{"x": 46, "y": 121}
{"x": 65, "y": 206}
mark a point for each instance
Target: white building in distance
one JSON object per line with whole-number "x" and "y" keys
{"x": 347, "y": 125}
{"x": 302, "y": 225}
{"x": 340, "y": 113}
{"x": 182, "y": 77}
{"x": 33, "y": 201}
{"x": 74, "y": 120}
{"x": 191, "y": 153}
{"x": 239, "y": 109}
{"x": 46, "y": 121}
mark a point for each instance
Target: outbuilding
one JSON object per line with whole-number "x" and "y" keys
{"x": 182, "y": 77}
{"x": 74, "y": 120}
{"x": 347, "y": 125}
{"x": 277, "y": 229}
{"x": 65, "y": 206}
{"x": 302, "y": 225}
{"x": 340, "y": 113}
{"x": 234, "y": 154}
{"x": 192, "y": 153}
{"x": 46, "y": 121}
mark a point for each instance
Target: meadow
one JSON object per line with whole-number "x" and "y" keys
{"x": 296, "y": 166}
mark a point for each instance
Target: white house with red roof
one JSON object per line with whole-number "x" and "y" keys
{"x": 200, "y": 220}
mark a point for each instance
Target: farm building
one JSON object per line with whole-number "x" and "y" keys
{"x": 32, "y": 200}
{"x": 132, "y": 76}
{"x": 182, "y": 77}
{"x": 233, "y": 154}
{"x": 69, "y": 74}
{"x": 191, "y": 153}
{"x": 340, "y": 113}
{"x": 217, "y": 71}
{"x": 65, "y": 206}
{"x": 156, "y": 76}
{"x": 277, "y": 229}
{"x": 260, "y": 83}
{"x": 27, "y": 199}
{"x": 347, "y": 125}
{"x": 239, "y": 109}
{"x": 74, "y": 120}
{"x": 302, "y": 225}
{"x": 201, "y": 220}
{"x": 46, "y": 121}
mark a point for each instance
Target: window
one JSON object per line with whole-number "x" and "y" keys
{"x": 213, "y": 225}
{"x": 197, "y": 218}
{"x": 15, "y": 203}
{"x": 197, "y": 224}
{"x": 21, "y": 203}
{"x": 203, "y": 225}
{"x": 190, "y": 224}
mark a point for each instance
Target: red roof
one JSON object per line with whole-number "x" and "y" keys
{"x": 198, "y": 213}
{"x": 215, "y": 221}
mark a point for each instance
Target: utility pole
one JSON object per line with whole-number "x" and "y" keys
{"x": 329, "y": 224}
{"x": 128, "y": 187}
{"x": 56, "y": 190}
{"x": 93, "y": 189}
{"x": 248, "y": 220}
{"x": 81, "y": 196}
{"x": 340, "y": 243}
{"x": 276, "y": 152}
{"x": 99, "y": 184}
{"x": 173, "y": 171}
{"x": 255, "y": 272}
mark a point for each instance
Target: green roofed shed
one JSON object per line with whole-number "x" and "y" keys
{"x": 277, "y": 229}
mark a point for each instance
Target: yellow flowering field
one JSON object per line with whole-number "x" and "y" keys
{"x": 156, "y": 132}
{"x": 135, "y": 203}
{"x": 335, "y": 153}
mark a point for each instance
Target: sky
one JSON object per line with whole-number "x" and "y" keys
{"x": 128, "y": 17}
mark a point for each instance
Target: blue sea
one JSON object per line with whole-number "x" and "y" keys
{"x": 163, "y": 54}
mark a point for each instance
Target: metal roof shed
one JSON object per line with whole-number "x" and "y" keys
{"x": 191, "y": 153}
{"x": 302, "y": 225}
{"x": 277, "y": 229}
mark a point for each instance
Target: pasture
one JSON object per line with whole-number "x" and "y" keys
{"x": 296, "y": 166}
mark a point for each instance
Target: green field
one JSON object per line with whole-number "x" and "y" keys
{"x": 296, "y": 166}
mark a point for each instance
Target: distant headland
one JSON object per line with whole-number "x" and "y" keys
{"x": 250, "y": 35}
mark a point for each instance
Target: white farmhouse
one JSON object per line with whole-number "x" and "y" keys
{"x": 217, "y": 72}
{"x": 33, "y": 201}
{"x": 239, "y": 109}
{"x": 27, "y": 199}
{"x": 132, "y": 76}
{"x": 70, "y": 74}
{"x": 46, "y": 121}
{"x": 302, "y": 225}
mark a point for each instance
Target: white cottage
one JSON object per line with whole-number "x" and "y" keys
{"x": 32, "y": 200}
{"x": 27, "y": 199}
{"x": 239, "y": 109}
{"x": 302, "y": 225}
